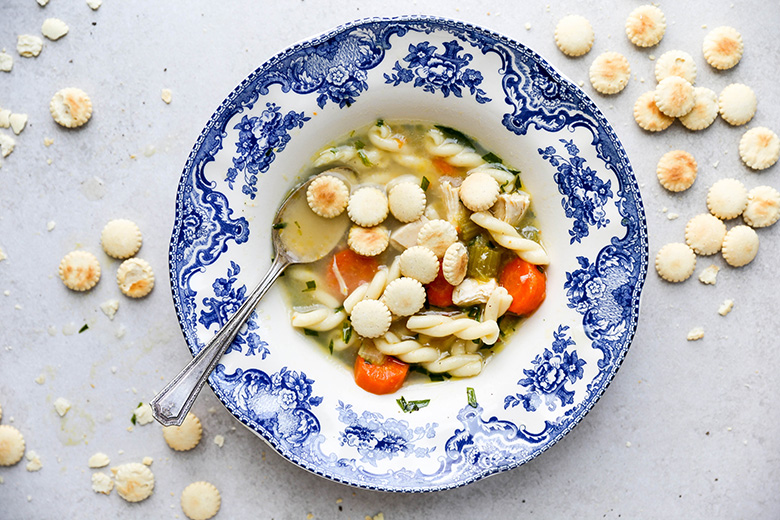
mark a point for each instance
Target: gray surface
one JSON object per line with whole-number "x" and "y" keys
{"x": 701, "y": 417}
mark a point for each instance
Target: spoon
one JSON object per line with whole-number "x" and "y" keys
{"x": 302, "y": 237}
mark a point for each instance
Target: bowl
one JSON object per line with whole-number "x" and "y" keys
{"x": 261, "y": 140}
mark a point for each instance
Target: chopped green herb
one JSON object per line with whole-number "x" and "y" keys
{"x": 359, "y": 145}
{"x": 412, "y": 406}
{"x": 133, "y": 419}
{"x": 472, "y": 397}
{"x": 380, "y": 122}
{"x": 451, "y": 133}
{"x": 425, "y": 183}
{"x": 311, "y": 285}
{"x": 334, "y": 151}
{"x": 432, "y": 376}
{"x": 346, "y": 332}
{"x": 339, "y": 308}
{"x": 280, "y": 225}
{"x": 82, "y": 329}
{"x": 310, "y": 332}
{"x": 474, "y": 312}
{"x": 364, "y": 158}
{"x": 492, "y": 158}
{"x": 330, "y": 347}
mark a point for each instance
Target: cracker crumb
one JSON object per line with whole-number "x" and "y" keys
{"x": 651, "y": 57}
{"x": 94, "y": 4}
{"x": 102, "y": 483}
{"x": 98, "y": 460}
{"x": 166, "y": 95}
{"x": 143, "y": 414}
{"x": 34, "y": 461}
{"x": 695, "y": 333}
{"x": 672, "y": 216}
{"x": 147, "y": 461}
{"x": 6, "y": 62}
{"x": 709, "y": 275}
{"x": 40, "y": 379}
{"x": 50, "y": 225}
{"x": 61, "y": 405}
{"x": 54, "y": 28}
{"x": 120, "y": 332}
{"x": 527, "y": 26}
{"x": 725, "y": 308}
{"x": 628, "y": 444}
{"x": 109, "y": 308}
{"x": 219, "y": 440}
{"x": 28, "y": 45}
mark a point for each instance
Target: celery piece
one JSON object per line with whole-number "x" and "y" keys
{"x": 484, "y": 259}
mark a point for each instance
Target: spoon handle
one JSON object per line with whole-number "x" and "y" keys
{"x": 171, "y": 405}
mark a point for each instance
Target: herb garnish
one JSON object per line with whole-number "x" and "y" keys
{"x": 425, "y": 183}
{"x": 330, "y": 347}
{"x": 311, "y": 285}
{"x": 454, "y": 134}
{"x": 380, "y": 122}
{"x": 472, "y": 397}
{"x": 279, "y": 225}
{"x": 310, "y": 332}
{"x": 412, "y": 406}
{"x": 492, "y": 158}
{"x": 82, "y": 329}
{"x": 346, "y": 332}
{"x": 364, "y": 158}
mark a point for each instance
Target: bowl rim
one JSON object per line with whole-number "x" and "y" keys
{"x": 588, "y": 103}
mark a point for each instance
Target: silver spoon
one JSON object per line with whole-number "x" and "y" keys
{"x": 312, "y": 241}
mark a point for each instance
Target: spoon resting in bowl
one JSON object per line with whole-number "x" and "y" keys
{"x": 298, "y": 237}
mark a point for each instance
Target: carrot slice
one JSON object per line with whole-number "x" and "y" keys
{"x": 439, "y": 291}
{"x": 350, "y": 268}
{"x": 525, "y": 283}
{"x": 380, "y": 379}
{"x": 443, "y": 166}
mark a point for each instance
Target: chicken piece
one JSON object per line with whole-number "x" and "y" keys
{"x": 510, "y": 207}
{"x": 454, "y": 211}
{"x": 472, "y": 291}
{"x": 406, "y": 236}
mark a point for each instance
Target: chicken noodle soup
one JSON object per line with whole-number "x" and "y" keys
{"x": 441, "y": 261}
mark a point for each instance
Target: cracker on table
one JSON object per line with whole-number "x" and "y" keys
{"x": 647, "y": 115}
{"x": 54, "y": 28}
{"x": 759, "y": 148}
{"x": 79, "y": 270}
{"x": 28, "y": 45}
{"x": 11, "y": 445}
{"x": 609, "y": 73}
{"x": 71, "y": 107}
{"x": 704, "y": 234}
{"x": 723, "y": 47}
{"x": 675, "y": 262}
{"x": 135, "y": 278}
{"x": 200, "y": 500}
{"x": 763, "y": 207}
{"x": 737, "y": 104}
{"x": 574, "y": 35}
{"x": 121, "y": 238}
{"x": 676, "y": 170}
{"x": 134, "y": 481}
{"x": 674, "y": 96}
{"x": 727, "y": 199}
{"x": 185, "y": 436}
{"x": 740, "y": 245}
{"x": 705, "y": 109}
{"x": 645, "y": 26}
{"x": 676, "y": 63}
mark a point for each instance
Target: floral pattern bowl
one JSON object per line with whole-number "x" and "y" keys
{"x": 303, "y": 403}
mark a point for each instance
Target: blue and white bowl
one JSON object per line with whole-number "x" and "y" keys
{"x": 306, "y": 406}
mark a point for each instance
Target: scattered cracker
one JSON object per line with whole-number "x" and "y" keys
{"x": 723, "y": 47}
{"x": 709, "y": 275}
{"x": 135, "y": 278}
{"x": 186, "y": 436}
{"x": 102, "y": 483}
{"x": 61, "y": 406}
{"x": 704, "y": 234}
{"x": 121, "y": 238}
{"x": 166, "y": 95}
{"x": 367, "y": 206}
{"x": 727, "y": 199}
{"x": 71, "y": 107}
{"x": 98, "y": 460}
{"x": 94, "y": 4}
{"x": 479, "y": 191}
{"x": 33, "y": 461}
{"x": 705, "y": 109}
{"x": 674, "y": 96}
{"x": 327, "y": 196}
{"x": 675, "y": 262}
{"x": 740, "y": 246}
{"x": 147, "y": 461}
{"x": 79, "y": 270}
{"x": 6, "y": 62}
{"x": 17, "y": 122}
{"x": 609, "y": 73}
{"x": 371, "y": 318}
{"x": 143, "y": 414}
{"x": 134, "y": 481}
{"x": 763, "y": 207}
{"x": 437, "y": 235}
{"x": 646, "y": 26}
{"x": 407, "y": 201}
{"x": 725, "y": 307}
{"x": 404, "y": 296}
{"x": 11, "y": 445}
{"x": 54, "y": 28}
{"x": 110, "y": 308}
{"x": 676, "y": 170}
{"x": 574, "y": 35}
{"x": 737, "y": 104}
{"x": 420, "y": 263}
{"x": 676, "y": 63}
{"x": 455, "y": 263}
{"x": 5, "y": 118}
{"x": 200, "y": 501}
{"x": 647, "y": 115}
{"x": 759, "y": 148}
{"x": 368, "y": 241}
{"x": 695, "y": 333}
{"x": 7, "y": 144}
{"x": 28, "y": 45}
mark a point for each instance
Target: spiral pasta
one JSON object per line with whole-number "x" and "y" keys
{"x": 383, "y": 138}
{"x": 438, "y": 145}
{"x": 319, "y": 319}
{"x": 349, "y": 154}
{"x": 459, "y": 365}
{"x": 408, "y": 351}
{"x": 439, "y": 326}
{"x": 507, "y": 236}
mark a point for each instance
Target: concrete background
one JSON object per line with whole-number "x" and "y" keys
{"x": 686, "y": 430}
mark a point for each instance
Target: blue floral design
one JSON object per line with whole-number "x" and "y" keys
{"x": 445, "y": 72}
{"x": 224, "y": 304}
{"x": 584, "y": 193}
{"x": 260, "y": 138}
{"x": 280, "y": 403}
{"x": 551, "y": 370}
{"x": 377, "y": 438}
